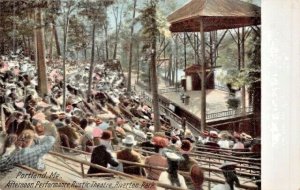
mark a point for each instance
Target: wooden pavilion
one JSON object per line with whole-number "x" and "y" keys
{"x": 193, "y": 78}
{"x": 211, "y": 15}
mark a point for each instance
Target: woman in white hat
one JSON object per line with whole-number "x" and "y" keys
{"x": 171, "y": 176}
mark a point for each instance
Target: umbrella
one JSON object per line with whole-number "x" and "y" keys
{"x": 103, "y": 126}
{"x": 97, "y": 132}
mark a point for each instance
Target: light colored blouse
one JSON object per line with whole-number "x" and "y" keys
{"x": 163, "y": 178}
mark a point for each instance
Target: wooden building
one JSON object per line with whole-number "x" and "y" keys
{"x": 193, "y": 79}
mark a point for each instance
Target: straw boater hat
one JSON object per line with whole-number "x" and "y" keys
{"x": 129, "y": 141}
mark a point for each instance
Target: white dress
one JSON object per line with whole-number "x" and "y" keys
{"x": 163, "y": 178}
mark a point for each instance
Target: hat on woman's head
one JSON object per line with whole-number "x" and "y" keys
{"x": 173, "y": 156}
{"x": 186, "y": 145}
{"x": 129, "y": 140}
{"x": 160, "y": 141}
{"x": 106, "y": 135}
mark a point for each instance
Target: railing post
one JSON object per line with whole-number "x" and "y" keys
{"x": 82, "y": 171}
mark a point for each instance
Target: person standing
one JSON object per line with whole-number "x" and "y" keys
{"x": 101, "y": 155}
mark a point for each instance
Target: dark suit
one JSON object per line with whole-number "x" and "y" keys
{"x": 101, "y": 157}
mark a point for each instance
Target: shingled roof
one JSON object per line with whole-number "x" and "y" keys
{"x": 216, "y": 15}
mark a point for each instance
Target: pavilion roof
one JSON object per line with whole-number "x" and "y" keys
{"x": 195, "y": 69}
{"x": 216, "y": 15}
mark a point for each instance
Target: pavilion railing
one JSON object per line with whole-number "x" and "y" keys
{"x": 229, "y": 113}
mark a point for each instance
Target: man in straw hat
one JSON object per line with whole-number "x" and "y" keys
{"x": 101, "y": 155}
{"x": 129, "y": 154}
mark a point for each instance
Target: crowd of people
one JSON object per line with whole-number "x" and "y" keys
{"x": 34, "y": 124}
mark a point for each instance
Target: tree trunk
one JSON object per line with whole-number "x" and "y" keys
{"x": 106, "y": 42}
{"x": 40, "y": 55}
{"x": 176, "y": 61}
{"x": 130, "y": 49}
{"x": 138, "y": 61}
{"x": 118, "y": 26}
{"x": 92, "y": 62}
{"x": 51, "y": 45}
{"x": 203, "y": 79}
{"x": 64, "y": 59}
{"x": 154, "y": 75}
{"x": 56, "y": 38}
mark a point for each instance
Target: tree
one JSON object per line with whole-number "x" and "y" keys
{"x": 70, "y": 6}
{"x": 96, "y": 12}
{"x": 130, "y": 48}
{"x": 150, "y": 33}
{"x": 255, "y": 74}
{"x": 118, "y": 13}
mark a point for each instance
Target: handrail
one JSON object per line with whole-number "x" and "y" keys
{"x": 114, "y": 171}
{"x": 153, "y": 153}
{"x": 144, "y": 166}
{"x": 228, "y": 156}
{"x": 225, "y": 150}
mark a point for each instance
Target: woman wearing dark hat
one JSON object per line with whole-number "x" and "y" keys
{"x": 197, "y": 176}
{"x": 171, "y": 176}
{"x": 188, "y": 162}
{"x": 156, "y": 159}
{"x": 101, "y": 155}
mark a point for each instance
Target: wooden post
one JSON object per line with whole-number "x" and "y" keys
{"x": 176, "y": 61}
{"x": 203, "y": 79}
{"x": 184, "y": 41}
{"x": 82, "y": 170}
{"x": 40, "y": 54}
